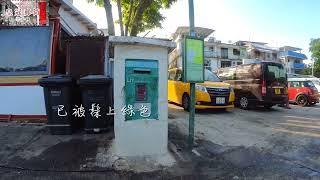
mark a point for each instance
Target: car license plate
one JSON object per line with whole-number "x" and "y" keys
{"x": 277, "y": 91}
{"x": 220, "y": 100}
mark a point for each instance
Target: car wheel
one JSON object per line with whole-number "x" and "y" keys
{"x": 302, "y": 100}
{"x": 244, "y": 102}
{"x": 186, "y": 102}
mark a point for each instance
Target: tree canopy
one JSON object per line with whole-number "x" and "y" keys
{"x": 139, "y": 15}
{"x": 315, "y": 55}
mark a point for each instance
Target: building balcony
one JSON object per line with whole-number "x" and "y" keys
{"x": 298, "y": 65}
{"x": 295, "y": 65}
{"x": 210, "y": 54}
{"x": 293, "y": 54}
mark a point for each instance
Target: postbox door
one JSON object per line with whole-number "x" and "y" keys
{"x": 141, "y": 89}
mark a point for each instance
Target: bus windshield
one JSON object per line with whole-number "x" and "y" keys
{"x": 210, "y": 76}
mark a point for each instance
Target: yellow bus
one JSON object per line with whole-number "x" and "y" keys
{"x": 211, "y": 94}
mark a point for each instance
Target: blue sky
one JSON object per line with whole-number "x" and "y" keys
{"x": 277, "y": 22}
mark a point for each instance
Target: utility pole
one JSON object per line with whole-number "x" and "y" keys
{"x": 192, "y": 85}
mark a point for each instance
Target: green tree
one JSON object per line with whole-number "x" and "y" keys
{"x": 315, "y": 55}
{"x": 138, "y": 15}
{"x": 306, "y": 71}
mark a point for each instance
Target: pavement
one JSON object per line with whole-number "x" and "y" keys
{"x": 234, "y": 144}
{"x": 262, "y": 141}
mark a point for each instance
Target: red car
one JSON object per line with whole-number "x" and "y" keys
{"x": 302, "y": 92}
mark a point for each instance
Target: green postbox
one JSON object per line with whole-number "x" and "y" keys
{"x": 141, "y": 89}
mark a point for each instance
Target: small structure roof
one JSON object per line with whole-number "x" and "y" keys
{"x": 142, "y": 41}
{"x": 200, "y": 31}
{"x": 291, "y": 48}
{"x": 250, "y": 42}
{"x": 218, "y": 43}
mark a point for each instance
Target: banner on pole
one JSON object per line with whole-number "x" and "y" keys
{"x": 193, "y": 60}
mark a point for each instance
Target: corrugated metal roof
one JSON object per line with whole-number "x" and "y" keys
{"x": 80, "y": 16}
{"x": 262, "y": 47}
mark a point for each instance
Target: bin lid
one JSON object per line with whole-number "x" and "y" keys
{"x": 52, "y": 80}
{"x": 94, "y": 80}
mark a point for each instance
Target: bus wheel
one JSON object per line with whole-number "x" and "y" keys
{"x": 244, "y": 102}
{"x": 185, "y": 102}
{"x": 302, "y": 100}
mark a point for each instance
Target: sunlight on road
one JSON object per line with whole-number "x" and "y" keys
{"x": 304, "y": 122}
{"x": 310, "y": 134}
{"x": 299, "y": 117}
{"x": 301, "y": 125}
{"x": 306, "y": 126}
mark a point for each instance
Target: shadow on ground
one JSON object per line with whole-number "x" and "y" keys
{"x": 67, "y": 157}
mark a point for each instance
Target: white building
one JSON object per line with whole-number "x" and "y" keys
{"x": 216, "y": 54}
{"x": 259, "y": 51}
{"x": 220, "y": 55}
{"x": 292, "y": 58}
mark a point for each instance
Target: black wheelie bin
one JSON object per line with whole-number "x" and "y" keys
{"x": 97, "y": 99}
{"x": 58, "y": 91}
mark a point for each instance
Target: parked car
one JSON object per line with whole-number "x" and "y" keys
{"x": 259, "y": 83}
{"x": 302, "y": 92}
{"x": 213, "y": 93}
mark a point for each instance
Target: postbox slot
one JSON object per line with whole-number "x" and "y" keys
{"x": 141, "y": 71}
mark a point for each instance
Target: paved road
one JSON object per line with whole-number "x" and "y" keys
{"x": 293, "y": 134}
{"x": 237, "y": 144}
